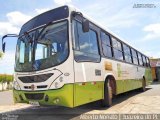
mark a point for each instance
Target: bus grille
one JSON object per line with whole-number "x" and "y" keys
{"x": 35, "y": 96}
{"x": 35, "y": 78}
{"x": 38, "y": 87}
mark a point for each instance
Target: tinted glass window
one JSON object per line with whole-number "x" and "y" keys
{"x": 117, "y": 49}
{"x": 116, "y": 44}
{"x": 87, "y": 40}
{"x": 106, "y": 45}
{"x": 85, "y": 44}
{"x": 118, "y": 54}
{"x": 127, "y": 53}
{"x": 134, "y": 55}
{"x": 144, "y": 61}
{"x": 126, "y": 49}
{"x": 107, "y": 50}
{"x": 140, "y": 59}
{"x": 105, "y": 39}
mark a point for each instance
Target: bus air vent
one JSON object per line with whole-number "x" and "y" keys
{"x": 42, "y": 86}
{"x": 34, "y": 96}
{"x": 35, "y": 78}
{"x": 38, "y": 87}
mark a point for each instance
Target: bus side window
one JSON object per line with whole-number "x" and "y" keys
{"x": 86, "y": 44}
{"x": 75, "y": 42}
{"x": 117, "y": 49}
{"x": 140, "y": 59}
{"x": 134, "y": 55}
{"x": 127, "y": 53}
{"x": 144, "y": 60}
{"x": 106, "y": 45}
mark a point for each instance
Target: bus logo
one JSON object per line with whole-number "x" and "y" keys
{"x": 32, "y": 87}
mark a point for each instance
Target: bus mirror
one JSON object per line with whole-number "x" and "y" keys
{"x": 4, "y": 46}
{"x": 4, "y": 43}
{"x": 85, "y": 25}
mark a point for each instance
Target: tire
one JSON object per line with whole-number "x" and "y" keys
{"x": 143, "y": 85}
{"x": 107, "y": 101}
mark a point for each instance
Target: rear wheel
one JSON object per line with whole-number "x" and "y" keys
{"x": 143, "y": 84}
{"x": 107, "y": 101}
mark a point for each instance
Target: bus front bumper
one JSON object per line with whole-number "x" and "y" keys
{"x": 61, "y": 97}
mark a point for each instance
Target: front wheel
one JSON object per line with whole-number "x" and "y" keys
{"x": 107, "y": 101}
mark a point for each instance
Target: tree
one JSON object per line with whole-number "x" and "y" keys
{"x": 5, "y": 78}
{"x": 1, "y": 54}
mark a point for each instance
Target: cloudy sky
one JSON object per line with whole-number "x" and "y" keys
{"x": 138, "y": 25}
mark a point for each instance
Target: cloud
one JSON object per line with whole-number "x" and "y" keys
{"x": 7, "y": 27}
{"x": 152, "y": 53}
{"x": 62, "y": 2}
{"x": 13, "y": 23}
{"x": 153, "y": 31}
{"x": 39, "y": 11}
{"x": 113, "y": 15}
{"x": 123, "y": 19}
{"x": 153, "y": 28}
{"x": 17, "y": 18}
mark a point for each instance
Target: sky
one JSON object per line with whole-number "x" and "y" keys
{"x": 135, "y": 21}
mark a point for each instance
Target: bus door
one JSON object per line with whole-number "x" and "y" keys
{"x": 87, "y": 65}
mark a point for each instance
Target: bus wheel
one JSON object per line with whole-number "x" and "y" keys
{"x": 107, "y": 101}
{"x": 143, "y": 84}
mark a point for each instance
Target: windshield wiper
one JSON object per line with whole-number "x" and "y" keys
{"x": 28, "y": 37}
{"x": 43, "y": 30}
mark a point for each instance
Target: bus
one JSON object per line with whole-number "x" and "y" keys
{"x": 67, "y": 59}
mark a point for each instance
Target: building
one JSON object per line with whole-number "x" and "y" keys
{"x": 155, "y": 65}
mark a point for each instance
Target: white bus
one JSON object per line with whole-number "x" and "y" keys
{"x": 65, "y": 58}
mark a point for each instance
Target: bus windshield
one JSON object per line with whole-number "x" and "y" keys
{"x": 42, "y": 48}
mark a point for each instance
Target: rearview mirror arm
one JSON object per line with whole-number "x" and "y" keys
{"x": 7, "y": 35}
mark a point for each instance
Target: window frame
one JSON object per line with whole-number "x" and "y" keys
{"x": 134, "y": 56}
{"x": 86, "y": 54}
{"x": 120, "y": 43}
{"x": 140, "y": 55}
{"x": 125, "y": 53}
{"x": 102, "y": 43}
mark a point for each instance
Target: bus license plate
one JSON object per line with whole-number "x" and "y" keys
{"x": 35, "y": 103}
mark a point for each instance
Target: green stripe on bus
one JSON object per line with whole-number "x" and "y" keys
{"x": 64, "y": 94}
{"x": 88, "y": 92}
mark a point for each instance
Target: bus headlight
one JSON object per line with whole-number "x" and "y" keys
{"x": 16, "y": 85}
